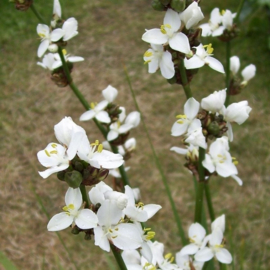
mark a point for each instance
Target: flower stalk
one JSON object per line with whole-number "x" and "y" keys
{"x": 37, "y": 13}
{"x": 118, "y": 258}
{"x": 184, "y": 79}
{"x": 227, "y": 70}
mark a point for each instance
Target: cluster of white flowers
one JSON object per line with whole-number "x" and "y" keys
{"x": 74, "y": 141}
{"x": 115, "y": 217}
{"x": 51, "y": 36}
{"x": 170, "y": 38}
{"x": 218, "y": 23}
{"x": 202, "y": 248}
{"x": 213, "y": 120}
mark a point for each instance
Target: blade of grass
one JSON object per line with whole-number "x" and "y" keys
{"x": 8, "y": 265}
{"x": 158, "y": 165}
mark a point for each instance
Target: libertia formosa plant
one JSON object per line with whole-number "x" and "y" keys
{"x": 114, "y": 217}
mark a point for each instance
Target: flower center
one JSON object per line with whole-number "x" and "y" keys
{"x": 70, "y": 210}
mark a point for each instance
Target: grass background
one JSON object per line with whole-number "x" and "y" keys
{"x": 109, "y": 39}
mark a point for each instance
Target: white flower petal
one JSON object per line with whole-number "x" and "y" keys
{"x": 179, "y": 42}
{"x": 86, "y": 219}
{"x": 214, "y": 64}
{"x": 224, "y": 256}
{"x": 59, "y": 222}
{"x": 154, "y": 36}
{"x": 167, "y": 65}
{"x": 204, "y": 255}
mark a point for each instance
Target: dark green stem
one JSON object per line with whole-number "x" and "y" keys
{"x": 118, "y": 257}
{"x": 84, "y": 196}
{"x": 228, "y": 72}
{"x": 239, "y": 11}
{"x": 200, "y": 188}
{"x": 158, "y": 165}
{"x": 185, "y": 82}
{"x": 209, "y": 201}
{"x": 37, "y": 14}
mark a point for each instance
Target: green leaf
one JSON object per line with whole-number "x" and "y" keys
{"x": 8, "y": 265}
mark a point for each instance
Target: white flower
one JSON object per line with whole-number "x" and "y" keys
{"x": 195, "y": 135}
{"x": 248, "y": 73}
{"x": 53, "y": 157}
{"x": 71, "y": 59}
{"x": 214, "y": 102}
{"x": 57, "y": 12}
{"x": 213, "y": 27}
{"x": 120, "y": 199}
{"x": 96, "y": 194}
{"x": 156, "y": 58}
{"x": 191, "y": 109}
{"x": 43, "y": 31}
{"x": 203, "y": 57}
{"x": 97, "y": 157}
{"x": 219, "y": 223}
{"x": 234, "y": 64}
{"x": 70, "y": 135}
{"x": 133, "y": 119}
{"x": 219, "y": 160}
{"x": 216, "y": 248}
{"x": 196, "y": 234}
{"x": 83, "y": 218}
{"x": 124, "y": 236}
{"x": 110, "y": 93}
{"x": 47, "y": 61}
{"x": 191, "y": 15}
{"x": 186, "y": 263}
{"x": 97, "y": 111}
{"x": 227, "y": 19}
{"x": 139, "y": 212}
{"x": 168, "y": 33}
{"x": 68, "y": 31}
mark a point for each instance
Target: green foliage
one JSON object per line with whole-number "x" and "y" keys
{"x": 6, "y": 263}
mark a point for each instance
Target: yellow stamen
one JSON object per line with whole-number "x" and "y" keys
{"x": 162, "y": 28}
{"x": 64, "y": 51}
{"x": 147, "y": 229}
{"x": 148, "y": 54}
{"x": 235, "y": 162}
{"x": 100, "y": 148}
{"x": 209, "y": 48}
{"x": 168, "y": 256}
{"x": 54, "y": 145}
{"x": 222, "y": 12}
{"x": 147, "y": 62}
{"x": 41, "y": 35}
{"x": 53, "y": 152}
{"x": 181, "y": 116}
{"x": 92, "y": 105}
{"x": 47, "y": 153}
{"x": 180, "y": 122}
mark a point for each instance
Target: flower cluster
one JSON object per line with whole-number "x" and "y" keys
{"x": 177, "y": 40}
{"x": 206, "y": 121}
{"x": 76, "y": 159}
{"x": 53, "y": 38}
{"x": 202, "y": 248}
{"x": 112, "y": 217}
{"x": 220, "y": 24}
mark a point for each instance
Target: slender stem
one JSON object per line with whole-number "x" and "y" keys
{"x": 158, "y": 165}
{"x": 239, "y": 10}
{"x": 37, "y": 14}
{"x": 84, "y": 195}
{"x": 227, "y": 82}
{"x": 209, "y": 201}
{"x": 185, "y": 82}
{"x": 200, "y": 188}
{"x": 118, "y": 257}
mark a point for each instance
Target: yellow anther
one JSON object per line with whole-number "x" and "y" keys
{"x": 209, "y": 48}
{"x": 54, "y": 145}
{"x": 53, "y": 152}
{"x": 69, "y": 207}
{"x": 180, "y": 122}
{"x": 235, "y": 162}
{"x": 181, "y": 116}
{"x": 219, "y": 246}
{"x": 147, "y": 62}
{"x": 168, "y": 256}
{"x": 162, "y": 28}
{"x": 220, "y": 156}
{"x": 140, "y": 204}
{"x": 147, "y": 229}
{"x": 116, "y": 229}
{"x": 96, "y": 143}
{"x": 41, "y": 35}
{"x": 222, "y": 12}
{"x": 150, "y": 235}
{"x": 148, "y": 54}
{"x": 114, "y": 236}
{"x": 92, "y": 105}
{"x": 47, "y": 153}
{"x": 64, "y": 51}
{"x": 100, "y": 148}
{"x": 110, "y": 230}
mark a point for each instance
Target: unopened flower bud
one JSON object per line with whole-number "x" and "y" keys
{"x": 119, "y": 198}
{"x": 78, "y": 166}
{"x": 53, "y": 48}
{"x": 61, "y": 175}
{"x": 74, "y": 179}
{"x": 178, "y": 5}
{"x": 92, "y": 176}
{"x": 75, "y": 230}
{"x": 213, "y": 128}
{"x": 157, "y": 5}
{"x": 23, "y": 5}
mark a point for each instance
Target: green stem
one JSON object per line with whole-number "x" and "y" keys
{"x": 239, "y": 11}
{"x": 185, "y": 82}
{"x": 209, "y": 201}
{"x": 228, "y": 72}
{"x": 84, "y": 195}
{"x": 118, "y": 257}
{"x": 37, "y": 14}
{"x": 158, "y": 165}
{"x": 200, "y": 188}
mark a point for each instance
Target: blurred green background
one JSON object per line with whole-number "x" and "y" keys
{"x": 109, "y": 39}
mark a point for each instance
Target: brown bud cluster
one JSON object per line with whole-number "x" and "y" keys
{"x": 23, "y": 5}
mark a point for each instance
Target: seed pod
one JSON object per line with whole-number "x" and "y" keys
{"x": 157, "y": 5}
{"x": 178, "y": 5}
